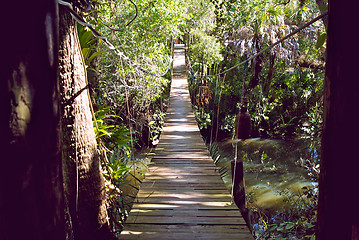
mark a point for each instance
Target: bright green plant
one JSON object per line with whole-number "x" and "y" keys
{"x": 203, "y": 118}
{"x": 116, "y": 170}
{"x": 205, "y": 49}
{"x": 88, "y": 45}
{"x": 113, "y": 135}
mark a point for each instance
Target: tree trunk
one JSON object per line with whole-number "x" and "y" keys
{"x": 268, "y": 81}
{"x": 338, "y": 198}
{"x": 31, "y": 192}
{"x": 83, "y": 179}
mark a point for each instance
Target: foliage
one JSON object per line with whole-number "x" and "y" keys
{"x": 115, "y": 144}
{"x": 298, "y": 222}
{"x": 206, "y": 49}
{"x": 284, "y": 86}
{"x": 88, "y": 45}
{"x": 111, "y": 134}
{"x": 156, "y": 125}
{"x": 137, "y": 97}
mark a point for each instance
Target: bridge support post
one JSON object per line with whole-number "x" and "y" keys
{"x": 239, "y": 195}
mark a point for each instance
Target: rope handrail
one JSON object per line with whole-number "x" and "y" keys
{"x": 128, "y": 61}
{"x": 273, "y": 45}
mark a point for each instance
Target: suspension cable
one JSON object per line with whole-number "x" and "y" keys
{"x": 127, "y": 60}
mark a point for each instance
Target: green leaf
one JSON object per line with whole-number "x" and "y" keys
{"x": 85, "y": 37}
{"x": 321, "y": 39}
{"x": 289, "y": 225}
{"x": 85, "y": 52}
{"x": 94, "y": 55}
{"x": 91, "y": 69}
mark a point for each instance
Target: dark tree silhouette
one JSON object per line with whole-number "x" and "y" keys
{"x": 338, "y": 184}
{"x": 31, "y": 192}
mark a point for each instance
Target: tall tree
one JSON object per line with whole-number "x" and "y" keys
{"x": 338, "y": 197}
{"x": 31, "y": 192}
{"x": 83, "y": 179}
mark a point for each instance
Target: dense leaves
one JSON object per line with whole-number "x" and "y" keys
{"x": 284, "y": 85}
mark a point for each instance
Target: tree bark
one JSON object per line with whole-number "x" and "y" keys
{"x": 338, "y": 198}
{"x": 31, "y": 192}
{"x": 83, "y": 179}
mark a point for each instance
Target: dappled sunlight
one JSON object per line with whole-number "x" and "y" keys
{"x": 183, "y": 203}
{"x": 155, "y": 206}
{"x": 182, "y": 191}
{"x": 132, "y": 233}
{"x": 183, "y": 128}
{"x": 179, "y": 117}
{"x": 188, "y": 195}
{"x": 176, "y": 137}
{"x": 171, "y": 205}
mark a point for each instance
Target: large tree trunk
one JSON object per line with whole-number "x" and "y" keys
{"x": 83, "y": 179}
{"x": 31, "y": 192}
{"x": 338, "y": 185}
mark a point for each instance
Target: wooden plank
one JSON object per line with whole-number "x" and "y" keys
{"x": 175, "y": 205}
{"x": 184, "y": 182}
{"x": 183, "y": 187}
{"x": 195, "y": 177}
{"x": 190, "y": 220}
{"x": 188, "y": 168}
{"x": 189, "y": 212}
{"x": 169, "y": 192}
{"x": 186, "y": 228}
{"x": 180, "y": 236}
{"x": 181, "y": 156}
{"x": 181, "y": 232}
{"x": 173, "y": 194}
{"x": 188, "y": 200}
{"x": 190, "y": 174}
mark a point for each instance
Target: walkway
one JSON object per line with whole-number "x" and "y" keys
{"x": 182, "y": 196}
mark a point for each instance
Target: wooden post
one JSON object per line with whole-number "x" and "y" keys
{"x": 243, "y": 124}
{"x": 238, "y": 183}
{"x": 239, "y": 194}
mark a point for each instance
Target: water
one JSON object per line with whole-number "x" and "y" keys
{"x": 271, "y": 167}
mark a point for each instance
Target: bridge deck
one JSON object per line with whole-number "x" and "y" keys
{"x": 182, "y": 196}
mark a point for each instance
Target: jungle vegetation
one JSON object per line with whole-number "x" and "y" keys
{"x": 88, "y": 144}
{"x": 284, "y": 85}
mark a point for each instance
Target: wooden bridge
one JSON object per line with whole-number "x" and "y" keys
{"x": 183, "y": 196}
